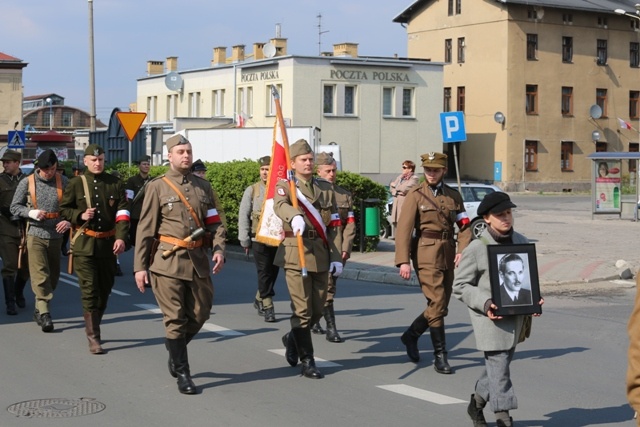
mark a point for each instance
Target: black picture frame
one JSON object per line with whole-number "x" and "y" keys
{"x": 522, "y": 276}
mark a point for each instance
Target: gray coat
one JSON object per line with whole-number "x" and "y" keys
{"x": 472, "y": 286}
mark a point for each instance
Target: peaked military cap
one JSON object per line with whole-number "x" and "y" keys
{"x": 264, "y": 161}
{"x": 434, "y": 160}
{"x": 93, "y": 150}
{"x": 198, "y": 166}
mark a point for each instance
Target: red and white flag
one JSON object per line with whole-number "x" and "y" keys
{"x": 240, "y": 122}
{"x": 624, "y": 125}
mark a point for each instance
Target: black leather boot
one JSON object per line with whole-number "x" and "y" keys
{"x": 10, "y": 295}
{"x": 305, "y": 350}
{"x": 19, "y": 285}
{"x": 330, "y": 318}
{"x": 92, "y": 329}
{"x": 172, "y": 367}
{"x": 291, "y": 352}
{"x": 178, "y": 351}
{"x": 317, "y": 329}
{"x": 476, "y": 414}
{"x": 411, "y": 335}
{"x": 440, "y": 363}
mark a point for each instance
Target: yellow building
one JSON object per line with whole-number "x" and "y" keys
{"x": 560, "y": 75}
{"x": 11, "y": 91}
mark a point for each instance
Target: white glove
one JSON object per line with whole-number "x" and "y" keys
{"x": 33, "y": 214}
{"x": 335, "y": 268}
{"x": 297, "y": 225}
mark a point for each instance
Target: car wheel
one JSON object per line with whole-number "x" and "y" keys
{"x": 477, "y": 227}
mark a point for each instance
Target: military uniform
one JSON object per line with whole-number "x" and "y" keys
{"x": 263, "y": 254}
{"x": 93, "y": 246}
{"x": 432, "y": 212}
{"x": 308, "y": 294}
{"x": 134, "y": 188}
{"x": 181, "y": 282}
{"x": 13, "y": 280}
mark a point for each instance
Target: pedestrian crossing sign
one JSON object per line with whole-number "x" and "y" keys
{"x": 16, "y": 139}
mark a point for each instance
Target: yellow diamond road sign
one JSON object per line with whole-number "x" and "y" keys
{"x": 131, "y": 123}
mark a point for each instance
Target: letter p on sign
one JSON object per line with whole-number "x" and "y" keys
{"x": 453, "y": 127}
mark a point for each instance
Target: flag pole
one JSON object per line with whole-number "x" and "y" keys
{"x": 290, "y": 175}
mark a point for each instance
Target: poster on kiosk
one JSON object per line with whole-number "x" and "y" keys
{"x": 607, "y": 186}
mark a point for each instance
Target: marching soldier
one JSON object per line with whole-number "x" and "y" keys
{"x": 199, "y": 169}
{"x": 432, "y": 209}
{"x": 327, "y": 169}
{"x": 14, "y": 279}
{"x": 263, "y": 255}
{"x": 134, "y": 188}
{"x": 37, "y": 199}
{"x": 177, "y": 210}
{"x": 318, "y": 222}
{"x": 96, "y": 205}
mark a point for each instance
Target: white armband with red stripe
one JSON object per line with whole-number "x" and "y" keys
{"x": 212, "y": 217}
{"x": 351, "y": 218}
{"x": 462, "y": 219}
{"x": 335, "y": 220}
{"x": 122, "y": 215}
{"x": 130, "y": 194}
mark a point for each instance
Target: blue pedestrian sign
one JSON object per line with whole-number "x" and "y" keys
{"x": 16, "y": 139}
{"x": 452, "y": 125}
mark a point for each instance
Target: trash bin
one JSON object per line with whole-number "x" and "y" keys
{"x": 372, "y": 221}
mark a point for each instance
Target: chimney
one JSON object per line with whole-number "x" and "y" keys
{"x": 155, "y": 67}
{"x": 281, "y": 46}
{"x": 237, "y": 53}
{"x": 345, "y": 49}
{"x": 257, "y": 51}
{"x": 219, "y": 56}
{"x": 172, "y": 63}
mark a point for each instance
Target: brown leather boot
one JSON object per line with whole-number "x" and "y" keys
{"x": 92, "y": 329}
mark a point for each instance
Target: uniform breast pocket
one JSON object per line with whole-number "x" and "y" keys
{"x": 170, "y": 206}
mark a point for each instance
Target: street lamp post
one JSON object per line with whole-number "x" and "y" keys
{"x": 50, "y": 102}
{"x": 92, "y": 74}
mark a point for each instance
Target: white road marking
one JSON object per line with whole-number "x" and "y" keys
{"x": 417, "y": 393}
{"x": 149, "y": 307}
{"x": 320, "y": 363}
{"x": 73, "y": 280}
{"x": 220, "y": 330}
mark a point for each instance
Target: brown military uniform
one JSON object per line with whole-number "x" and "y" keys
{"x": 633, "y": 366}
{"x": 181, "y": 283}
{"x": 348, "y": 225}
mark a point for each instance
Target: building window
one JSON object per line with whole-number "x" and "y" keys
{"x": 458, "y": 7}
{"x": 634, "y": 54}
{"x": 601, "y": 147}
{"x": 272, "y": 101}
{"x": 532, "y": 99}
{"x": 531, "y": 156}
{"x": 602, "y": 22}
{"x": 567, "y": 101}
{"x": 328, "y": 101}
{"x": 567, "y": 49}
{"x": 152, "y": 108}
{"x": 218, "y": 102}
{"x": 566, "y": 156}
{"x": 67, "y": 119}
{"x": 349, "y": 100}
{"x": 634, "y": 147}
{"x": 387, "y": 101}
{"x": 450, "y": 9}
{"x": 447, "y": 100}
{"x": 567, "y": 19}
{"x": 245, "y": 102}
{"x": 194, "y": 104}
{"x": 47, "y": 119}
{"x": 601, "y": 55}
{"x": 532, "y": 13}
{"x": 633, "y": 104}
{"x": 172, "y": 106}
{"x": 601, "y": 100}
{"x": 447, "y": 50}
{"x": 407, "y": 102}
{"x": 634, "y": 24}
{"x": 532, "y": 47}
{"x": 461, "y": 100}
{"x": 460, "y": 50}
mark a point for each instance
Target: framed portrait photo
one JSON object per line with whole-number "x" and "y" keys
{"x": 513, "y": 273}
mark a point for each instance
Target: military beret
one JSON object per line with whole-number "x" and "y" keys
{"x": 264, "y": 161}
{"x": 299, "y": 148}
{"x": 176, "y": 140}
{"x": 11, "y": 156}
{"x": 198, "y": 166}
{"x": 46, "y": 159}
{"x": 93, "y": 150}
{"x": 495, "y": 202}
{"x": 144, "y": 158}
{"x": 434, "y": 160}
{"x": 325, "y": 159}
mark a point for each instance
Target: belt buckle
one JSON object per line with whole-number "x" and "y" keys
{"x": 312, "y": 234}
{"x": 445, "y": 235}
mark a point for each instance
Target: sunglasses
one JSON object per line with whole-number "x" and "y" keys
{"x": 405, "y": 167}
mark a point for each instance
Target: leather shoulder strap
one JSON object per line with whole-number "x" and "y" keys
{"x": 86, "y": 190}
{"x": 32, "y": 190}
{"x": 184, "y": 201}
{"x": 59, "y": 187}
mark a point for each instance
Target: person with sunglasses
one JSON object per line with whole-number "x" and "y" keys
{"x": 400, "y": 187}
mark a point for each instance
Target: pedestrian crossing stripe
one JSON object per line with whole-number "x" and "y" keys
{"x": 320, "y": 363}
{"x": 417, "y": 393}
{"x": 220, "y": 330}
{"x": 73, "y": 281}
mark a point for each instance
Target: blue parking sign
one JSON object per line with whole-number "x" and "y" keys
{"x": 16, "y": 139}
{"x": 452, "y": 126}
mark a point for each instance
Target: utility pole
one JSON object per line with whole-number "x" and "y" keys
{"x": 92, "y": 73}
{"x": 320, "y": 33}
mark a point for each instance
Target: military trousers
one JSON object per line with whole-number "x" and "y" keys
{"x": 436, "y": 285}
{"x": 95, "y": 277}
{"x": 44, "y": 268}
{"x": 264, "y": 255}
{"x": 185, "y": 304}
{"x": 308, "y": 295}
{"x": 9, "y": 248}
{"x": 331, "y": 289}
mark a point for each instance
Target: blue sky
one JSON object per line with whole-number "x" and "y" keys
{"x": 52, "y": 36}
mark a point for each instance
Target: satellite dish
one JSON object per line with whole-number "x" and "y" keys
{"x": 173, "y": 81}
{"x": 269, "y": 50}
{"x": 595, "y": 111}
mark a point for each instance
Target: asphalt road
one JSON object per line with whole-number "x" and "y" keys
{"x": 569, "y": 373}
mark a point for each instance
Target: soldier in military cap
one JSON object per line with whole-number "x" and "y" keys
{"x": 37, "y": 199}
{"x": 318, "y": 222}
{"x": 263, "y": 254}
{"x": 96, "y": 205}
{"x": 430, "y": 213}
{"x": 199, "y": 169}
{"x": 134, "y": 188}
{"x": 170, "y": 254}
{"x": 327, "y": 170}
{"x": 11, "y": 229}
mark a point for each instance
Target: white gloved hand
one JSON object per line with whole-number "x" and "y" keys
{"x": 297, "y": 225}
{"x": 335, "y": 268}
{"x": 33, "y": 214}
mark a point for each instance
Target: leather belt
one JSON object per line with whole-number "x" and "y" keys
{"x": 51, "y": 215}
{"x": 309, "y": 234}
{"x": 99, "y": 234}
{"x": 441, "y": 235}
{"x": 180, "y": 243}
